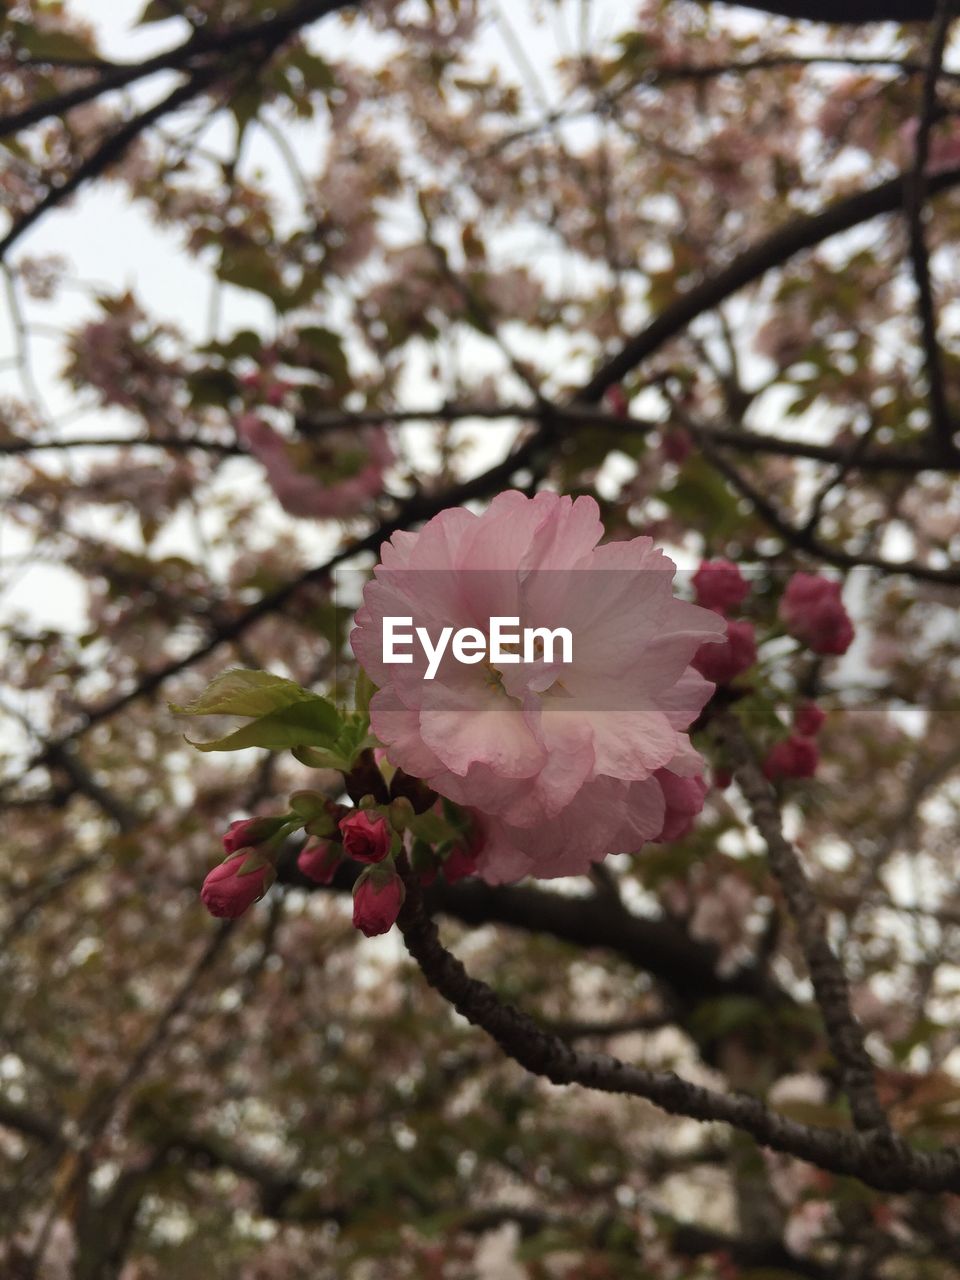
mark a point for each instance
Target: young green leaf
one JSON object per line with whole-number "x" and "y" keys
{"x": 244, "y": 693}
{"x": 305, "y": 724}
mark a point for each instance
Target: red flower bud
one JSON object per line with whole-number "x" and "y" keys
{"x": 795, "y": 757}
{"x": 812, "y": 611}
{"x": 720, "y": 586}
{"x": 245, "y": 833}
{"x": 721, "y": 661}
{"x": 366, "y": 836}
{"x": 236, "y": 884}
{"x": 377, "y": 898}
{"x": 722, "y": 779}
{"x": 808, "y": 718}
{"x": 318, "y": 860}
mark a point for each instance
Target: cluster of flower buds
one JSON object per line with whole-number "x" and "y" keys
{"x": 390, "y": 808}
{"x": 798, "y": 755}
{"x": 811, "y": 610}
{"x": 721, "y": 587}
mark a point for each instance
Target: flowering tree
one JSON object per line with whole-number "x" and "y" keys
{"x": 506, "y": 312}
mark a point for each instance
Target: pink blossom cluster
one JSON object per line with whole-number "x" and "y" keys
{"x": 558, "y": 767}
{"x": 720, "y": 586}
{"x": 335, "y": 475}
{"x": 811, "y": 608}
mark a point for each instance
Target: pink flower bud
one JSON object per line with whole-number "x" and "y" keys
{"x": 377, "y": 898}
{"x": 811, "y": 610}
{"x": 720, "y": 586}
{"x": 366, "y": 836}
{"x": 318, "y": 860}
{"x": 808, "y": 719}
{"x": 721, "y": 662}
{"x": 236, "y": 884}
{"x": 245, "y": 833}
{"x": 795, "y": 757}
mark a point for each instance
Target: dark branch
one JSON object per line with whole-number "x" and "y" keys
{"x": 915, "y": 195}
{"x": 879, "y": 1159}
{"x": 773, "y": 251}
{"x": 202, "y": 46}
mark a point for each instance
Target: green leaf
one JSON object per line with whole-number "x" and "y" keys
{"x": 243, "y": 343}
{"x": 254, "y": 269}
{"x": 211, "y": 386}
{"x": 351, "y": 741}
{"x": 322, "y": 758}
{"x": 701, "y": 499}
{"x": 245, "y": 107}
{"x": 316, "y": 72}
{"x": 320, "y": 349}
{"x": 50, "y": 44}
{"x": 431, "y": 828}
{"x": 241, "y": 692}
{"x": 314, "y": 723}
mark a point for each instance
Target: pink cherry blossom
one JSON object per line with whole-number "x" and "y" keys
{"x": 229, "y": 890}
{"x": 366, "y": 836}
{"x": 336, "y": 474}
{"x": 722, "y": 662}
{"x": 719, "y": 585}
{"x": 377, "y": 898}
{"x": 794, "y": 757}
{"x": 812, "y": 610}
{"x": 318, "y": 860}
{"x": 558, "y": 762}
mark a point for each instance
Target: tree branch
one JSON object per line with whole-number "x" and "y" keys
{"x": 878, "y": 1159}
{"x": 830, "y": 985}
{"x": 202, "y": 43}
{"x": 775, "y": 249}
{"x": 915, "y": 194}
